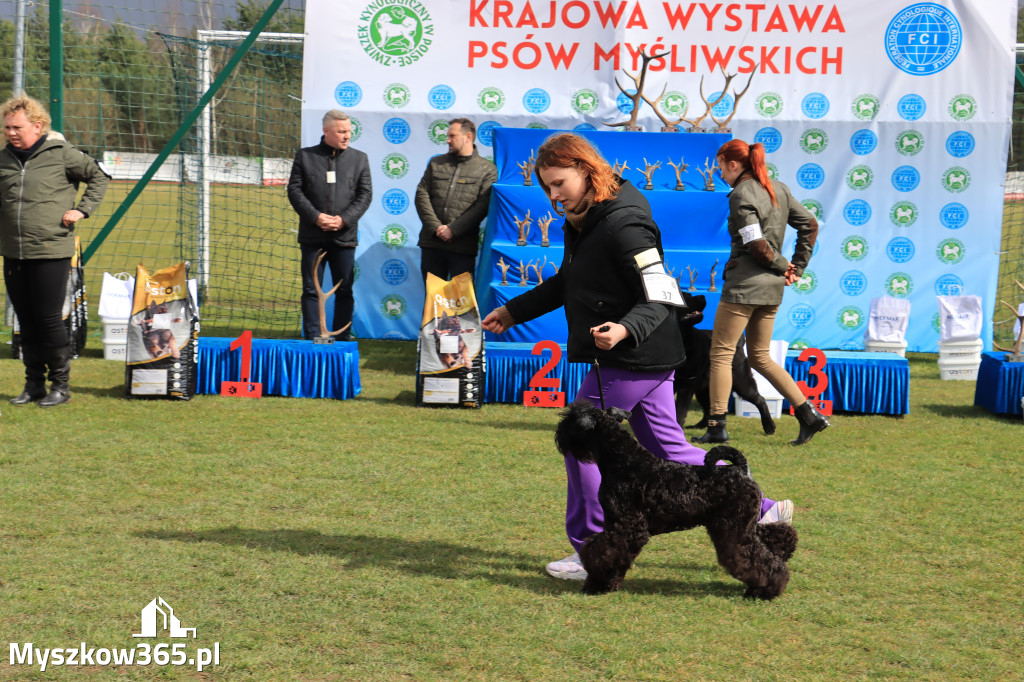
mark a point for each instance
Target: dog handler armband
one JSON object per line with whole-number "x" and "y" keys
{"x": 751, "y": 232}
{"x": 659, "y": 286}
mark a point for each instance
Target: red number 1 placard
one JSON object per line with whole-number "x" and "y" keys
{"x": 541, "y": 380}
{"x": 821, "y": 383}
{"x": 243, "y": 388}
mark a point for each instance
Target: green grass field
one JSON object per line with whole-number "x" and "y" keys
{"x": 372, "y": 540}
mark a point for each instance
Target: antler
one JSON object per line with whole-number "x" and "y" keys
{"x": 1019, "y": 343}
{"x": 654, "y": 105}
{"x": 619, "y": 170}
{"x": 638, "y": 81}
{"x": 322, "y": 297}
{"x": 710, "y": 105}
{"x": 739, "y": 96}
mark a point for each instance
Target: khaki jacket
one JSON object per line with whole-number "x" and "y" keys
{"x": 454, "y": 191}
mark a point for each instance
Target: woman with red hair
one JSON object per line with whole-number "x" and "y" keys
{"x": 755, "y": 276}
{"x": 611, "y": 244}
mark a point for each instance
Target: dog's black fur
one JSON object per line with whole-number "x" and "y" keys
{"x": 693, "y": 377}
{"x": 642, "y": 495}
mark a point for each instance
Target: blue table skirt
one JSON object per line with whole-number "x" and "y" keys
{"x": 285, "y": 367}
{"x": 872, "y": 383}
{"x": 858, "y": 381}
{"x": 1000, "y": 384}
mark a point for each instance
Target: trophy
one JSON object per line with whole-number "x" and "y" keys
{"x": 648, "y": 172}
{"x": 545, "y": 224}
{"x": 524, "y": 228}
{"x": 619, "y": 170}
{"x": 736, "y": 102}
{"x": 526, "y": 168}
{"x": 522, "y": 274}
{"x": 711, "y": 286}
{"x": 693, "y": 278}
{"x": 680, "y": 168}
{"x": 636, "y": 98}
{"x": 538, "y": 268}
{"x": 709, "y": 175}
{"x": 504, "y": 271}
{"x": 321, "y": 299}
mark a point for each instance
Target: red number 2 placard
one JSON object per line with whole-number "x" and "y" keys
{"x": 541, "y": 379}
{"x": 821, "y": 380}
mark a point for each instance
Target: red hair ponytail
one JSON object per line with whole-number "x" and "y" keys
{"x": 751, "y": 157}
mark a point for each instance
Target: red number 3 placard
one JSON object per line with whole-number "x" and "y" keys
{"x": 541, "y": 380}
{"x": 821, "y": 380}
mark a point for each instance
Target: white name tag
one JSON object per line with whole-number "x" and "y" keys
{"x": 332, "y": 177}
{"x": 661, "y": 288}
{"x": 751, "y": 233}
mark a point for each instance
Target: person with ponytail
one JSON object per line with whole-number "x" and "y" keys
{"x": 610, "y": 237}
{"x": 755, "y": 277}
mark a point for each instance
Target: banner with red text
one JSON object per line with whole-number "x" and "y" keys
{"x": 889, "y": 120}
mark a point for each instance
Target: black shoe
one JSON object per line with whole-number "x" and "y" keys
{"x": 811, "y": 422}
{"x": 35, "y": 376}
{"x": 32, "y": 393}
{"x": 55, "y": 397}
{"x": 716, "y": 432}
{"x": 59, "y": 362}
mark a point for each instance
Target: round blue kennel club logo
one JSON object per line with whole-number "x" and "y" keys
{"x": 899, "y": 250}
{"x": 906, "y": 178}
{"x": 395, "y": 201}
{"x": 923, "y": 39}
{"x": 441, "y": 97}
{"x": 814, "y": 105}
{"x": 857, "y": 212}
{"x": 348, "y": 94}
{"x": 801, "y": 315}
{"x": 949, "y": 285}
{"x": 911, "y": 107}
{"x": 954, "y": 215}
{"x": 960, "y": 144}
{"x": 771, "y": 138}
{"x": 396, "y": 130}
{"x": 810, "y": 176}
{"x": 863, "y": 142}
{"x": 536, "y": 100}
{"x": 853, "y": 283}
{"x": 394, "y": 271}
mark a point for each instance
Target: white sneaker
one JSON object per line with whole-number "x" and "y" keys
{"x": 780, "y": 512}
{"x": 568, "y": 568}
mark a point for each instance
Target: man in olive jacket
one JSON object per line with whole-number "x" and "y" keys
{"x": 330, "y": 189}
{"x": 451, "y": 200}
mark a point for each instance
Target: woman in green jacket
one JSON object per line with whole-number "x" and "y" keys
{"x": 39, "y": 178}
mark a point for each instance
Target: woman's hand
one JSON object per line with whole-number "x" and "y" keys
{"x": 791, "y": 275}
{"x": 498, "y": 321}
{"x": 71, "y": 217}
{"x": 607, "y": 335}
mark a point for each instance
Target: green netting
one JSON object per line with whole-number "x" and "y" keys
{"x": 1011, "y": 257}
{"x": 131, "y": 76}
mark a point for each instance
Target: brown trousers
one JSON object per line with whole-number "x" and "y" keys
{"x": 731, "y": 319}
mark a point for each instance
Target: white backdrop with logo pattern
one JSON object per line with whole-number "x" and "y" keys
{"x": 889, "y": 120}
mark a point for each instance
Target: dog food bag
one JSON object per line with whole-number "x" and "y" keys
{"x": 163, "y": 336}
{"x": 450, "y": 349}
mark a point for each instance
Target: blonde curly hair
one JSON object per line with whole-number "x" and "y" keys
{"x": 34, "y": 110}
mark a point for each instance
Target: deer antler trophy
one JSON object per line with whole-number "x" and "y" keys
{"x": 709, "y": 175}
{"x": 1014, "y": 354}
{"x": 619, "y": 170}
{"x": 711, "y": 285}
{"x": 736, "y": 103}
{"x": 504, "y": 271}
{"x": 680, "y": 168}
{"x": 693, "y": 278}
{"x": 321, "y": 298}
{"x": 545, "y": 224}
{"x": 669, "y": 126}
{"x": 648, "y": 172}
{"x": 526, "y": 167}
{"x": 524, "y": 228}
{"x": 639, "y": 95}
{"x": 695, "y": 123}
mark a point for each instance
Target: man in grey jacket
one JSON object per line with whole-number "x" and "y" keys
{"x": 451, "y": 200}
{"x": 330, "y": 188}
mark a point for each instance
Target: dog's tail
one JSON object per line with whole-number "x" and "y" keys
{"x": 724, "y": 452}
{"x": 779, "y": 538}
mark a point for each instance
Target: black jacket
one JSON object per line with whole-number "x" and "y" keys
{"x": 349, "y": 196}
{"x": 599, "y": 281}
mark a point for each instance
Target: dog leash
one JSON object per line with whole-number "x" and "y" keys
{"x": 597, "y": 366}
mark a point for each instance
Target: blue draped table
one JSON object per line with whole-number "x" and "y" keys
{"x": 859, "y": 381}
{"x": 1000, "y": 384}
{"x": 872, "y": 383}
{"x": 286, "y": 367}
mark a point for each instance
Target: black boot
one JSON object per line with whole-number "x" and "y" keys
{"x": 811, "y": 422}
{"x": 59, "y": 361}
{"x": 35, "y": 376}
{"x": 716, "y": 432}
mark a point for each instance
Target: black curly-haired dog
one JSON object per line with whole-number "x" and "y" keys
{"x": 642, "y": 495}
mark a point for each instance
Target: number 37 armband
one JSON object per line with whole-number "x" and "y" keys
{"x": 659, "y": 286}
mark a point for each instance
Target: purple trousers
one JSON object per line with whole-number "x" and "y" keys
{"x": 648, "y": 396}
